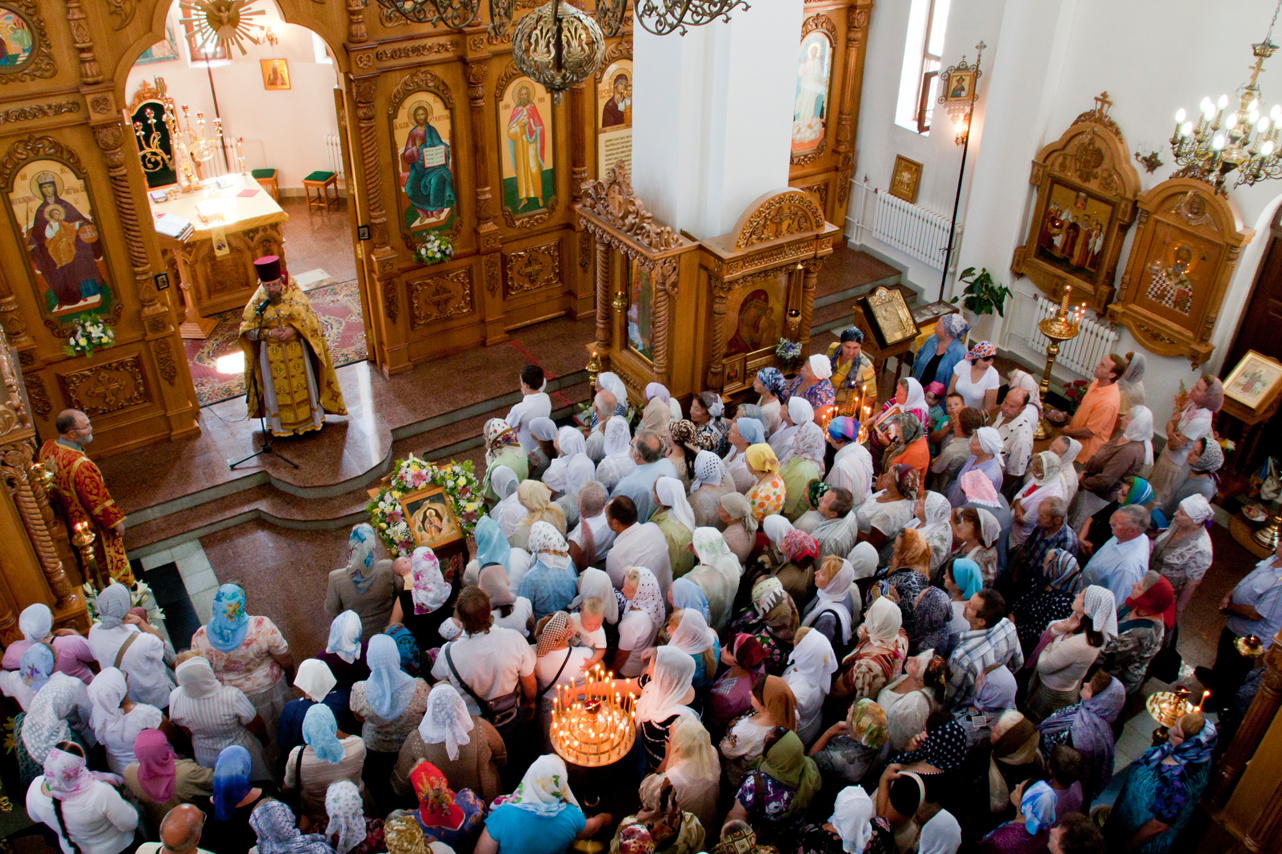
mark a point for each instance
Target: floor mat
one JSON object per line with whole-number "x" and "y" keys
{"x": 339, "y": 308}
{"x": 167, "y": 587}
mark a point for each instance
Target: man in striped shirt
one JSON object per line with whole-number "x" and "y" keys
{"x": 991, "y": 640}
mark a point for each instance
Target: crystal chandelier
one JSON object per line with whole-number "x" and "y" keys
{"x": 557, "y": 45}
{"x": 1245, "y": 139}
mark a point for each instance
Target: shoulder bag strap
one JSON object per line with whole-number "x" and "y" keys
{"x": 568, "y": 653}
{"x": 449, "y": 662}
{"x": 298, "y": 768}
{"x": 120, "y": 653}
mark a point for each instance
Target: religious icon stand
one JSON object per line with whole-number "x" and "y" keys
{"x": 1181, "y": 260}
{"x": 1086, "y": 189}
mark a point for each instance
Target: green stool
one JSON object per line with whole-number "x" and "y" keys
{"x": 321, "y": 182}
{"x": 266, "y": 178}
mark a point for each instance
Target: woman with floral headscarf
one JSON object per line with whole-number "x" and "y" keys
{"x": 277, "y": 830}
{"x": 246, "y": 652}
{"x": 1030, "y": 830}
{"x": 327, "y": 757}
{"x": 32, "y": 672}
{"x": 59, "y": 711}
{"x": 1182, "y": 553}
{"x": 541, "y": 817}
{"x": 671, "y": 828}
{"x": 858, "y": 742}
{"x": 446, "y": 816}
{"x": 1160, "y": 795}
{"x": 911, "y": 446}
{"x": 975, "y": 378}
{"x": 769, "y": 384}
{"x": 851, "y": 467}
{"x": 81, "y": 807}
{"x": 502, "y": 448}
{"x": 549, "y": 583}
{"x": 389, "y": 705}
{"x": 767, "y": 496}
{"x": 427, "y": 599}
{"x": 216, "y": 716}
{"x": 349, "y": 831}
{"x": 366, "y": 585}
{"x": 1050, "y": 598}
{"x": 797, "y": 573}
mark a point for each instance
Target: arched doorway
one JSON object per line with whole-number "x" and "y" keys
{"x": 279, "y": 108}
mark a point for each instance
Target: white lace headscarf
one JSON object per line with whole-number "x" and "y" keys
{"x": 446, "y": 720}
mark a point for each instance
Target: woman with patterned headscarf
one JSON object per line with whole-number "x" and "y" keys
{"x": 975, "y": 378}
{"x": 277, "y": 830}
{"x": 246, "y": 652}
{"x": 367, "y": 585}
{"x": 851, "y": 467}
{"x": 80, "y": 806}
{"x": 1205, "y": 457}
{"x": 710, "y": 481}
{"x": 847, "y": 750}
{"x": 731, "y": 694}
{"x": 1049, "y": 598}
{"x": 389, "y": 705}
{"x": 1044, "y": 483}
{"x": 541, "y": 817}
{"x": 911, "y": 446}
{"x": 502, "y": 448}
{"x": 348, "y": 828}
{"x": 327, "y": 756}
{"x": 465, "y": 747}
{"x": 707, "y": 412}
{"x": 940, "y": 353}
{"x": 769, "y": 384}
{"x": 549, "y": 583}
{"x": 1188, "y": 424}
{"x": 1030, "y": 830}
{"x": 909, "y": 398}
{"x": 452, "y": 818}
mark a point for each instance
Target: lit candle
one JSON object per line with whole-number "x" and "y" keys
{"x": 1068, "y": 291}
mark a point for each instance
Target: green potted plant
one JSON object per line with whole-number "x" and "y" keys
{"x": 982, "y": 295}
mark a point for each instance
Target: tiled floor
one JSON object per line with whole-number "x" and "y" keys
{"x": 314, "y": 238}
{"x": 197, "y": 574}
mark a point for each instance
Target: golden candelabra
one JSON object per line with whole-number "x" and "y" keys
{"x": 595, "y": 367}
{"x": 594, "y": 725}
{"x": 153, "y": 157}
{"x": 82, "y": 538}
{"x": 1064, "y": 326}
{"x": 1167, "y": 707}
{"x": 198, "y": 146}
{"x": 1268, "y": 535}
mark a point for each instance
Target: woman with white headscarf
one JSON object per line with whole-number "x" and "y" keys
{"x": 812, "y": 382}
{"x": 1131, "y": 382}
{"x": 466, "y": 748}
{"x": 740, "y": 525}
{"x": 717, "y": 574}
{"x": 216, "y": 716}
{"x": 803, "y": 461}
{"x": 1045, "y": 484}
{"x": 344, "y": 653}
{"x": 389, "y": 704}
{"x": 60, "y": 711}
{"x": 690, "y": 633}
{"x": 569, "y": 444}
{"x": 853, "y": 828}
{"x": 780, "y": 440}
{"x": 675, "y": 519}
{"x": 1075, "y": 644}
{"x": 1067, "y": 448}
{"x": 710, "y": 481}
{"x": 71, "y": 651}
{"x": 347, "y": 825}
{"x": 934, "y": 516}
{"x": 541, "y": 817}
{"x": 618, "y": 461}
{"x": 1182, "y": 553}
{"x": 540, "y": 456}
{"x": 366, "y": 585}
{"x": 666, "y": 694}
{"x": 879, "y": 657}
{"x": 117, "y": 720}
{"x": 580, "y": 470}
{"x": 80, "y": 806}
{"x": 986, "y": 458}
{"x": 809, "y": 675}
{"x": 113, "y": 643}
{"x": 508, "y": 511}
{"x": 834, "y": 609}
{"x": 852, "y": 466}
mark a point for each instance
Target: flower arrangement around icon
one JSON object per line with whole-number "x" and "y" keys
{"x": 433, "y": 249}
{"x": 87, "y": 336}
{"x": 787, "y": 350}
{"x": 414, "y": 478}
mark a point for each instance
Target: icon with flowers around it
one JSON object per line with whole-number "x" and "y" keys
{"x": 413, "y": 484}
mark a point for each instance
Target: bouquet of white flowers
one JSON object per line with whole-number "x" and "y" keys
{"x": 89, "y": 335}
{"x": 433, "y": 249}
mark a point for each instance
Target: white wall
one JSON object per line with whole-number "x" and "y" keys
{"x": 281, "y": 129}
{"x": 1044, "y": 65}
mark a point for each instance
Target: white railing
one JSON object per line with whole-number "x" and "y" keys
{"x": 334, "y": 148}
{"x": 1079, "y": 355}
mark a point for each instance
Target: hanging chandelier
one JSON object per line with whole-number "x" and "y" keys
{"x": 557, "y": 45}
{"x": 662, "y": 17}
{"x": 1244, "y": 139}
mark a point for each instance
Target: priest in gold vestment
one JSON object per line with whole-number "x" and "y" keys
{"x": 82, "y": 495}
{"x": 279, "y": 328}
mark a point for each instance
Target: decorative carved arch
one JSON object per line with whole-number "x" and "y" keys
{"x": 819, "y": 21}
{"x": 40, "y": 62}
{"x": 422, "y": 80}
{"x": 621, "y": 49}
{"x": 777, "y": 214}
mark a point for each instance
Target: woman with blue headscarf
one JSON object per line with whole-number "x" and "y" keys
{"x": 963, "y": 578}
{"x": 247, "y": 652}
{"x": 1030, "y": 830}
{"x": 389, "y": 705}
{"x": 744, "y": 432}
{"x": 1163, "y": 789}
{"x": 366, "y": 585}
{"x": 234, "y": 799}
{"x": 328, "y": 756}
{"x": 770, "y": 384}
{"x": 941, "y": 352}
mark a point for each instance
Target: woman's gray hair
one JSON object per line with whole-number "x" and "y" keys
{"x": 592, "y": 499}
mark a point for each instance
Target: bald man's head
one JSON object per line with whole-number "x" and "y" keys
{"x": 180, "y": 829}
{"x": 73, "y": 425}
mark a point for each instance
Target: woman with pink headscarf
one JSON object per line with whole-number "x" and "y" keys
{"x": 1188, "y": 423}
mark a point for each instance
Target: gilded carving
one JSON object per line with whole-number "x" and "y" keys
{"x": 493, "y": 273}
{"x": 421, "y": 80}
{"x": 122, "y": 11}
{"x": 392, "y": 54}
{"x": 819, "y": 21}
{"x": 621, "y": 49}
{"x": 165, "y": 360}
{"x": 783, "y": 215}
{"x": 39, "y": 111}
{"x": 804, "y": 158}
{"x": 612, "y": 201}
{"x": 106, "y": 388}
{"x": 534, "y": 219}
{"x": 100, "y": 104}
{"x": 440, "y": 297}
{"x": 534, "y": 268}
{"x": 585, "y": 250}
{"x": 364, "y": 61}
{"x": 89, "y": 71}
{"x": 39, "y": 63}
{"x": 391, "y": 303}
{"x": 38, "y": 397}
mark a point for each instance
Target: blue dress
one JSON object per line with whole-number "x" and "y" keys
{"x": 519, "y": 831}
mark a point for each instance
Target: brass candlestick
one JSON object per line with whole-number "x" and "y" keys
{"x": 1064, "y": 326}
{"x": 82, "y": 539}
{"x": 594, "y": 367}
{"x": 1269, "y": 534}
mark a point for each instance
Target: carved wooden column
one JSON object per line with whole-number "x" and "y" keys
{"x": 356, "y": 31}
{"x": 808, "y": 280}
{"x": 489, "y": 238}
{"x": 665, "y": 293}
{"x": 11, "y": 321}
{"x": 89, "y": 70}
{"x": 1251, "y": 731}
{"x": 857, "y": 15}
{"x": 720, "y": 294}
{"x": 580, "y": 128}
{"x": 603, "y": 300}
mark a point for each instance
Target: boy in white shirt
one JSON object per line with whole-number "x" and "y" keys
{"x": 534, "y": 404}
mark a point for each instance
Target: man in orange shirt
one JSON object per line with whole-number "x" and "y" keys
{"x": 1092, "y": 424}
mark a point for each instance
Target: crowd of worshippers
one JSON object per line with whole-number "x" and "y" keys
{"x": 925, "y": 642}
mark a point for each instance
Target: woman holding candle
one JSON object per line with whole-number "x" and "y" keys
{"x": 909, "y": 398}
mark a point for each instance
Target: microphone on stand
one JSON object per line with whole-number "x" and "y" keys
{"x": 262, "y": 306}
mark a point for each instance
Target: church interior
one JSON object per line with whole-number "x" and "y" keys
{"x": 274, "y": 265}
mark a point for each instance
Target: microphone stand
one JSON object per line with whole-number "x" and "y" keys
{"x": 268, "y": 438}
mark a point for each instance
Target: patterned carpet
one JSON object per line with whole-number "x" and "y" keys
{"x": 339, "y": 308}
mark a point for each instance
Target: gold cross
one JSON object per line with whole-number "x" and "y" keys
{"x": 1102, "y": 103}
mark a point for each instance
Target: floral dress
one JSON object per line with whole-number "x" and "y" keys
{"x": 250, "y": 666}
{"x": 820, "y": 394}
{"x": 777, "y": 650}
{"x": 864, "y": 674}
{"x": 1128, "y": 655}
{"x": 766, "y": 498}
{"x": 1181, "y": 561}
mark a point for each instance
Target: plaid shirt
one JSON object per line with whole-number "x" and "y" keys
{"x": 977, "y": 651}
{"x": 1035, "y": 549}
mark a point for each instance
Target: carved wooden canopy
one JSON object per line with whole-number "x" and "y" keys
{"x": 1183, "y": 256}
{"x": 1086, "y": 189}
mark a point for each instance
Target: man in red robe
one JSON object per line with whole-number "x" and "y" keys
{"x": 82, "y": 494}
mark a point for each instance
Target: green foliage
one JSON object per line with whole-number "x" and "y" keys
{"x": 982, "y": 295}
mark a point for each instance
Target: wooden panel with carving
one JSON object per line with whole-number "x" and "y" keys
{"x": 533, "y": 269}
{"x": 106, "y": 388}
{"x": 440, "y": 297}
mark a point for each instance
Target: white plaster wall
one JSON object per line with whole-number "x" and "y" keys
{"x": 282, "y": 129}
{"x": 1045, "y": 63}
